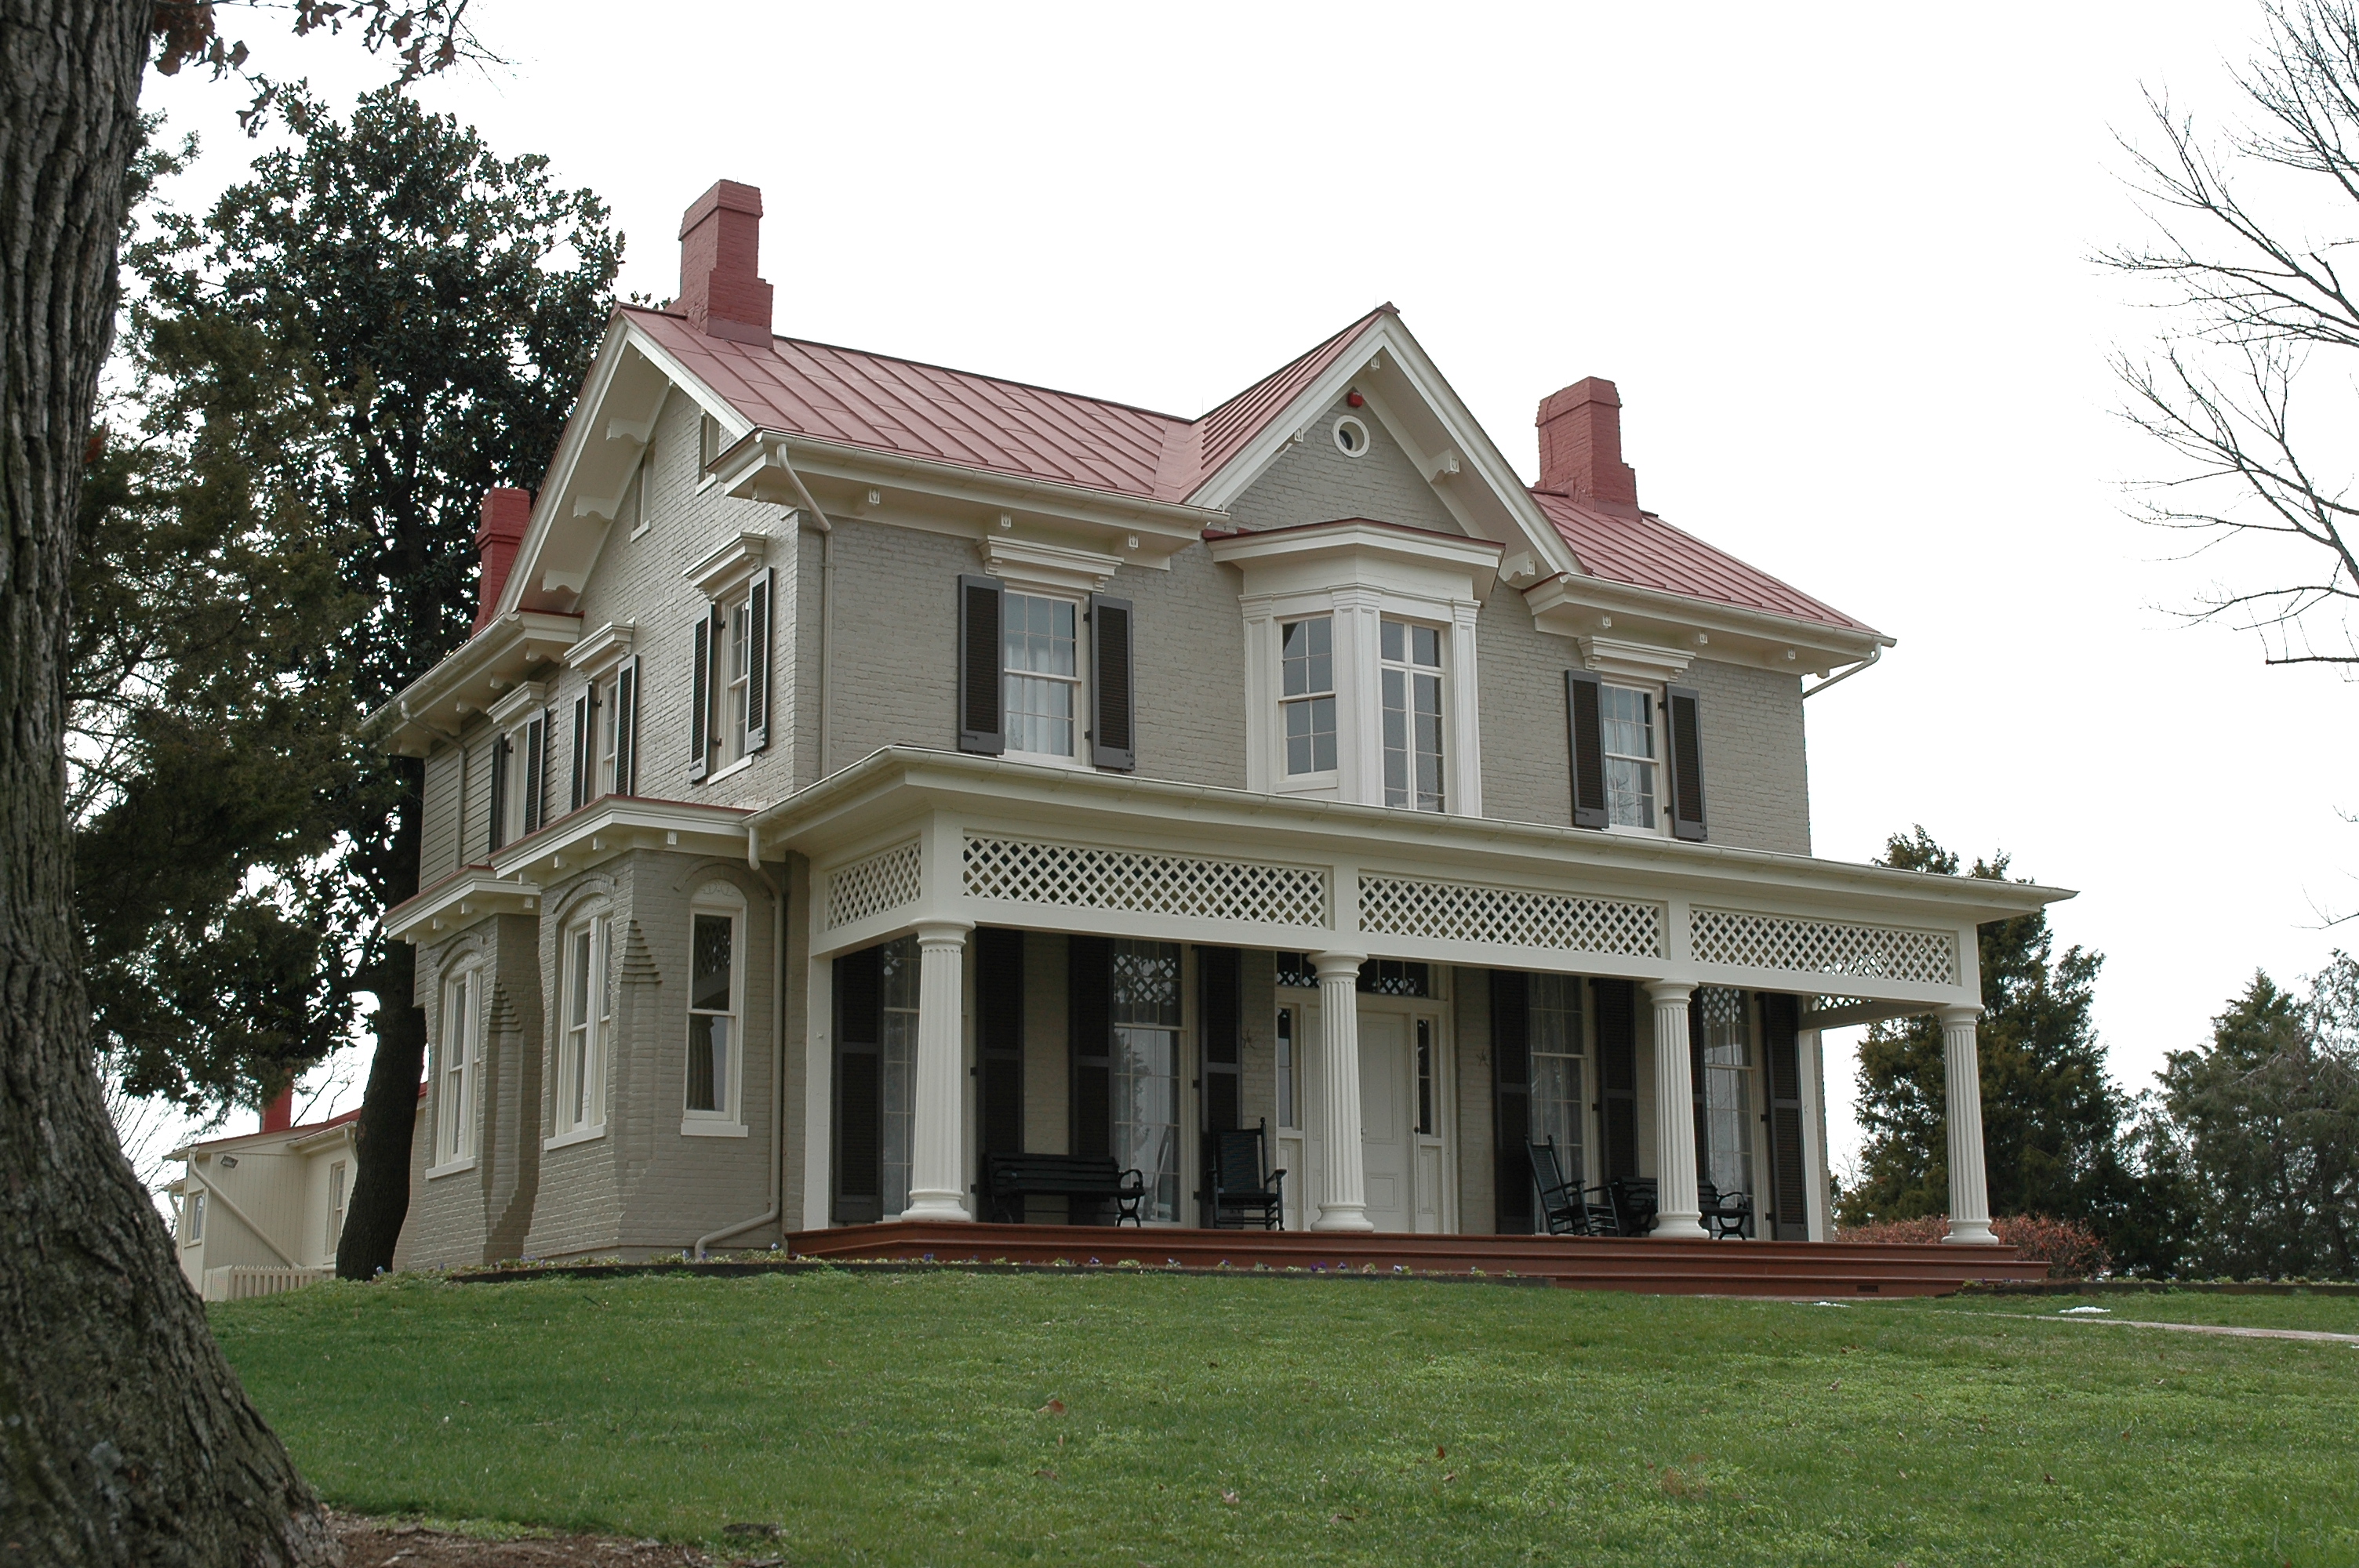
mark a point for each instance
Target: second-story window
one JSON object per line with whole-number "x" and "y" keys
{"x": 735, "y": 695}
{"x": 1412, "y": 682}
{"x": 1627, "y": 727}
{"x": 1040, "y": 658}
{"x": 1307, "y": 694}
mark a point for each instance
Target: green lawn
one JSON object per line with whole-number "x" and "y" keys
{"x": 912, "y": 1418}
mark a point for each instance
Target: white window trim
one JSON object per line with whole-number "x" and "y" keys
{"x": 1078, "y": 758}
{"x": 469, "y": 974}
{"x": 722, "y": 899}
{"x": 739, "y": 766}
{"x": 1359, "y": 613}
{"x": 599, "y": 921}
{"x": 1662, "y": 760}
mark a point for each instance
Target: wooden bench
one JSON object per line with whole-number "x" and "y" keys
{"x": 1009, "y": 1179}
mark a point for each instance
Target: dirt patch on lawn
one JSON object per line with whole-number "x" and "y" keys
{"x": 380, "y": 1544}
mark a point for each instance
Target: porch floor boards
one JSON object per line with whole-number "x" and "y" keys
{"x": 1832, "y": 1269}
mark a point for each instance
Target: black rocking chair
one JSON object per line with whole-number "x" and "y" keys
{"x": 1238, "y": 1182}
{"x": 1725, "y": 1214}
{"x": 1633, "y": 1204}
{"x": 1565, "y": 1208}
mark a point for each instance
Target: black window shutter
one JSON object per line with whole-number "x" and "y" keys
{"x": 626, "y": 725}
{"x": 699, "y": 698}
{"x": 1617, "y": 1074}
{"x": 536, "y": 768}
{"x": 1511, "y": 1089}
{"x": 1695, "y": 1084}
{"x": 1584, "y": 719}
{"x": 584, "y": 743}
{"x": 1089, "y": 1016}
{"x": 1113, "y": 685}
{"x": 757, "y": 660}
{"x": 859, "y": 1088}
{"x": 1789, "y": 1214}
{"x": 999, "y": 1045}
{"x": 980, "y": 728}
{"x": 1686, "y": 726}
{"x": 499, "y": 833}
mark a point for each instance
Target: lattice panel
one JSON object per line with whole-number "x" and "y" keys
{"x": 1469, "y": 912}
{"x": 1079, "y": 877}
{"x": 1826, "y": 947}
{"x": 887, "y": 879}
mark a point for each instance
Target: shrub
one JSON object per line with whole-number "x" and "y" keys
{"x": 2072, "y": 1248}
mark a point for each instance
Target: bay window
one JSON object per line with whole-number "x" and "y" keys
{"x": 1411, "y": 659}
{"x": 1307, "y": 694}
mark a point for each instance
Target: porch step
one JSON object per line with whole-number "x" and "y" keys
{"x": 1581, "y": 1263}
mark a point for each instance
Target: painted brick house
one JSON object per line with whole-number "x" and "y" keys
{"x": 861, "y": 768}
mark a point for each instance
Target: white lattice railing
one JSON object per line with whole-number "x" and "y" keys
{"x": 1826, "y": 947}
{"x": 1145, "y": 882}
{"x": 885, "y": 880}
{"x": 1470, "y": 911}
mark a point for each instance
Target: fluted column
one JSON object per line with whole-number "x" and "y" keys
{"x": 1676, "y": 1211}
{"x": 937, "y": 1122}
{"x": 1962, "y": 1065}
{"x": 1343, "y": 1202}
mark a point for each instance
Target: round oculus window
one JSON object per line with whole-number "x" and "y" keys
{"x": 1351, "y": 437}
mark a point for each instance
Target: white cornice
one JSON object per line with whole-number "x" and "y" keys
{"x": 518, "y": 703}
{"x": 471, "y": 678}
{"x": 1357, "y": 552}
{"x": 729, "y": 564}
{"x": 1028, "y": 562}
{"x": 615, "y": 824}
{"x": 457, "y": 901}
{"x": 1578, "y": 606}
{"x": 1632, "y": 661}
{"x": 604, "y": 649}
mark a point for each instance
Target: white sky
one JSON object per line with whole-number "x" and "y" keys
{"x": 1838, "y": 266}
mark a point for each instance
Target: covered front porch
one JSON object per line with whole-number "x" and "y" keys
{"x": 1005, "y": 957}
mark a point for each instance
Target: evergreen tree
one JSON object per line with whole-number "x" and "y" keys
{"x": 2052, "y": 1119}
{"x": 2259, "y": 1132}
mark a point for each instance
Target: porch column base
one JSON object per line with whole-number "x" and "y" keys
{"x": 1678, "y": 1211}
{"x": 1344, "y": 1200}
{"x": 936, "y": 1147}
{"x": 1971, "y": 1233}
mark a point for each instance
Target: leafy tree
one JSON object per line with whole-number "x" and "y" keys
{"x": 442, "y": 305}
{"x": 2052, "y": 1119}
{"x": 2259, "y": 1132}
{"x": 127, "y": 1437}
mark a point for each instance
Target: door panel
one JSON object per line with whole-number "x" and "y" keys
{"x": 1384, "y": 1122}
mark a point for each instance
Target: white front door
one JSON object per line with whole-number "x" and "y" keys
{"x": 1384, "y": 1137}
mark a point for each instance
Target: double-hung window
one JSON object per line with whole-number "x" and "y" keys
{"x": 192, "y": 1218}
{"x": 587, "y": 1024}
{"x": 729, "y": 682}
{"x": 715, "y": 1007}
{"x": 1289, "y": 1077}
{"x": 1307, "y": 694}
{"x": 1042, "y": 678}
{"x": 335, "y": 1206}
{"x": 1146, "y": 1120}
{"x": 1411, "y": 660}
{"x": 1627, "y": 726}
{"x": 454, "y": 1106}
{"x": 898, "y": 1054}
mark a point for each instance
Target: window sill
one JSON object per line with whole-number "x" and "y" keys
{"x": 579, "y": 1135}
{"x": 641, "y": 531}
{"x": 1049, "y": 760}
{"x": 739, "y": 766}
{"x": 436, "y": 1172}
{"x": 699, "y": 1128}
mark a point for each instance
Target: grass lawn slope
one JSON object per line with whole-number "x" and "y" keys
{"x": 1125, "y": 1418}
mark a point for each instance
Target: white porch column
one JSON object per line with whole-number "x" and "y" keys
{"x": 1969, "y": 1188}
{"x": 937, "y": 1122}
{"x": 1343, "y": 1199}
{"x": 1676, "y": 1210}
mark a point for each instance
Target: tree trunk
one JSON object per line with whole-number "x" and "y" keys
{"x": 124, "y": 1436}
{"x": 382, "y": 1142}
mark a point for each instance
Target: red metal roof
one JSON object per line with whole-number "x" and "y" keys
{"x": 1647, "y": 552}
{"x": 1008, "y": 426}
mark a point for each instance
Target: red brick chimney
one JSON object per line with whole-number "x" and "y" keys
{"x": 279, "y": 1114}
{"x": 497, "y": 538}
{"x": 1581, "y": 447}
{"x": 721, "y": 290}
